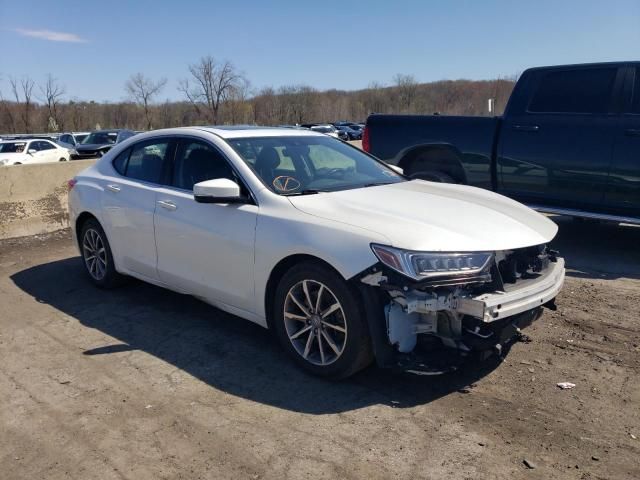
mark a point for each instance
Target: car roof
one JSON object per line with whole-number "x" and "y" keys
{"x": 583, "y": 65}
{"x": 247, "y": 131}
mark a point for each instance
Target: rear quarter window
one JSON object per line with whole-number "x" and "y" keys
{"x": 120, "y": 162}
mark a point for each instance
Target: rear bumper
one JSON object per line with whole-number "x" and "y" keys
{"x": 526, "y": 295}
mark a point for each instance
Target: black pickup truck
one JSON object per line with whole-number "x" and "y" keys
{"x": 568, "y": 142}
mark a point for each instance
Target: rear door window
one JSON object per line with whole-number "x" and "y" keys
{"x": 147, "y": 159}
{"x": 574, "y": 91}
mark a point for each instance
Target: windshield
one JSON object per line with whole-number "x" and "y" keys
{"x": 322, "y": 129}
{"x": 80, "y": 138}
{"x": 100, "y": 138}
{"x": 309, "y": 164}
{"x": 12, "y": 147}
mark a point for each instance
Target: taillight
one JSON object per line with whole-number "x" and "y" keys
{"x": 71, "y": 183}
{"x": 365, "y": 139}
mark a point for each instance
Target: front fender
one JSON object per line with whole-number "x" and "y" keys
{"x": 346, "y": 248}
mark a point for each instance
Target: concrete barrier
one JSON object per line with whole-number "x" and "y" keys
{"x": 33, "y": 198}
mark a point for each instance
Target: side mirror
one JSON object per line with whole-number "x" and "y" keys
{"x": 32, "y": 151}
{"x": 218, "y": 190}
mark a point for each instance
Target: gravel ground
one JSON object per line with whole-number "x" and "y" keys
{"x": 142, "y": 383}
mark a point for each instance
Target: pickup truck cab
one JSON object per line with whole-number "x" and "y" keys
{"x": 568, "y": 142}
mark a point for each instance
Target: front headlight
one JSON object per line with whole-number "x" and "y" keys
{"x": 423, "y": 265}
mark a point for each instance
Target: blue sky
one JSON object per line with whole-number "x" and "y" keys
{"x": 93, "y": 46}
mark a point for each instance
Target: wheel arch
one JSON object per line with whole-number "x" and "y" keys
{"x": 279, "y": 270}
{"x": 80, "y": 221}
{"x": 440, "y": 157}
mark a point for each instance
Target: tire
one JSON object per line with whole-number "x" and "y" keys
{"x": 62, "y": 160}
{"x": 433, "y": 176}
{"x": 337, "y": 344}
{"x": 93, "y": 242}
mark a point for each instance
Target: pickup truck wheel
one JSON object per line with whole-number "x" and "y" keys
{"x": 433, "y": 176}
{"x": 97, "y": 256}
{"x": 319, "y": 321}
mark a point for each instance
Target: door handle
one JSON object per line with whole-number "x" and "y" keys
{"x": 113, "y": 188}
{"x": 526, "y": 128}
{"x": 168, "y": 205}
{"x": 632, "y": 132}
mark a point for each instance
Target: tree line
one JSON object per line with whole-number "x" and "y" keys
{"x": 217, "y": 92}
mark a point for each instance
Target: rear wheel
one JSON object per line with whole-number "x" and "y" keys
{"x": 62, "y": 160}
{"x": 97, "y": 256}
{"x": 319, "y": 321}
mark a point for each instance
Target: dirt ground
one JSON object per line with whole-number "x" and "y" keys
{"x": 141, "y": 383}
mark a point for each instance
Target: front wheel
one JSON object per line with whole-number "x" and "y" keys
{"x": 319, "y": 320}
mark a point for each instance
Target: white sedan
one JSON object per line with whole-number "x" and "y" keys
{"x": 27, "y": 151}
{"x": 344, "y": 258}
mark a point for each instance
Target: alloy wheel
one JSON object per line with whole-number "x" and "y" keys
{"x": 315, "y": 322}
{"x": 95, "y": 254}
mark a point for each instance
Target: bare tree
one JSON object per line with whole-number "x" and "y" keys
{"x": 24, "y": 86}
{"x": 143, "y": 90}
{"x": 52, "y": 93}
{"x": 212, "y": 84}
{"x": 407, "y": 88}
{"x": 8, "y": 113}
{"x": 239, "y": 107}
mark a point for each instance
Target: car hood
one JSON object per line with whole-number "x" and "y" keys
{"x": 427, "y": 216}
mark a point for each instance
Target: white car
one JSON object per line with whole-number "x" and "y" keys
{"x": 344, "y": 258}
{"x": 326, "y": 129}
{"x": 27, "y": 151}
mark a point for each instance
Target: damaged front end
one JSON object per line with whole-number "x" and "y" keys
{"x": 455, "y": 304}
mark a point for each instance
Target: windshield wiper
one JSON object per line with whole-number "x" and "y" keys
{"x": 307, "y": 191}
{"x": 376, "y": 184}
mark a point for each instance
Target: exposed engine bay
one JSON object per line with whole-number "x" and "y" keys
{"x": 481, "y": 311}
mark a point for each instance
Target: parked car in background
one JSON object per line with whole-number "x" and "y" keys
{"x": 328, "y": 130}
{"x": 309, "y": 236}
{"x": 69, "y": 147}
{"x": 100, "y": 142}
{"x": 28, "y": 151}
{"x": 80, "y": 136}
{"x": 349, "y": 133}
{"x": 73, "y": 138}
{"x": 568, "y": 143}
{"x": 358, "y": 126}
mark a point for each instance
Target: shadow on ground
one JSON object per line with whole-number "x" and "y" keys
{"x": 226, "y": 352}
{"x": 242, "y": 359}
{"x": 598, "y": 250}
